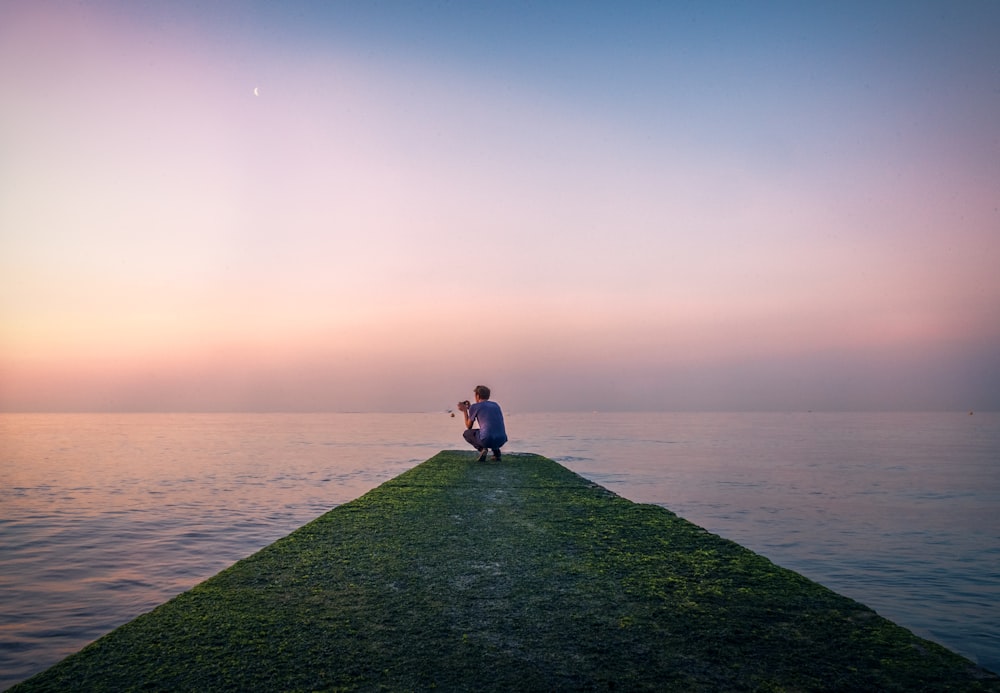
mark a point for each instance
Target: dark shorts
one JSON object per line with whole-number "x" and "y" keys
{"x": 471, "y": 436}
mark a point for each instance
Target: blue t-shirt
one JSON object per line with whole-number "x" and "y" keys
{"x": 492, "y": 432}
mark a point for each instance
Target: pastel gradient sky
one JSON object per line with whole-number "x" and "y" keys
{"x": 586, "y": 206}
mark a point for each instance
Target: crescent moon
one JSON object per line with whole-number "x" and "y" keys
{"x": 256, "y": 91}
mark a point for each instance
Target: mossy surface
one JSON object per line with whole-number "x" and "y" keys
{"x": 521, "y": 575}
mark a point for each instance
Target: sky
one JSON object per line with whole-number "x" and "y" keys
{"x": 611, "y": 206}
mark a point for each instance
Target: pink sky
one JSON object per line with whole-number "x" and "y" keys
{"x": 717, "y": 221}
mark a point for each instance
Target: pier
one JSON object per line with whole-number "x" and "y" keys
{"x": 518, "y": 575}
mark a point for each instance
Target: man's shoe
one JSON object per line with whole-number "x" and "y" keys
{"x": 496, "y": 457}
{"x": 482, "y": 455}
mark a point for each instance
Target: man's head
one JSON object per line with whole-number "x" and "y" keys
{"x": 482, "y": 392}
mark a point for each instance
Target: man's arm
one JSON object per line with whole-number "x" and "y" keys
{"x": 465, "y": 411}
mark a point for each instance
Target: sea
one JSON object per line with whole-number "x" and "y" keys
{"x": 105, "y": 516}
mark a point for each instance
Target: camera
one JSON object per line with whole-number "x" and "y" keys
{"x": 464, "y": 402}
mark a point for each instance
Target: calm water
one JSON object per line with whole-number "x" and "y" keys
{"x": 103, "y": 517}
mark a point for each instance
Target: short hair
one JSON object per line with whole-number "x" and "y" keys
{"x": 482, "y": 391}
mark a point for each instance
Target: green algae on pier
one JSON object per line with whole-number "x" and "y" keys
{"x": 520, "y": 575}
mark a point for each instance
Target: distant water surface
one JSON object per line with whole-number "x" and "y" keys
{"x": 104, "y": 517}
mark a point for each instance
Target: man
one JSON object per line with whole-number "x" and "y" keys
{"x": 491, "y": 434}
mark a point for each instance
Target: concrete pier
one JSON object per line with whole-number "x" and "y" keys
{"x": 519, "y": 575}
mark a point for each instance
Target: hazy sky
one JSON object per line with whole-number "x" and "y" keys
{"x": 244, "y": 205}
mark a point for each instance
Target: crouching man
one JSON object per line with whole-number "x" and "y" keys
{"x": 491, "y": 434}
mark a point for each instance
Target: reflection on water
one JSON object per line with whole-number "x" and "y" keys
{"x": 103, "y": 517}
